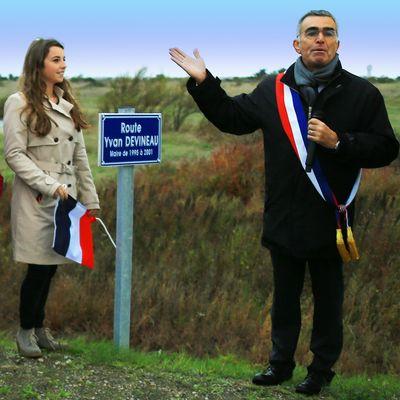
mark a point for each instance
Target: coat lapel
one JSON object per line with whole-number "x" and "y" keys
{"x": 64, "y": 107}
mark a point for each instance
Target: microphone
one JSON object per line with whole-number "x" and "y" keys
{"x": 312, "y": 145}
{"x": 310, "y": 95}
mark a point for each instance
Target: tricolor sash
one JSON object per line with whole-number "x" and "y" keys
{"x": 295, "y": 125}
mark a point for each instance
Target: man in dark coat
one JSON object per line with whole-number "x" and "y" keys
{"x": 348, "y": 123}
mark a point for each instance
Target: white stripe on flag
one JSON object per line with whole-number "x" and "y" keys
{"x": 74, "y": 250}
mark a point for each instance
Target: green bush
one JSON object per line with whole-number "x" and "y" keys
{"x": 158, "y": 94}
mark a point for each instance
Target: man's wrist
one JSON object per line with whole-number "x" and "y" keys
{"x": 337, "y": 141}
{"x": 199, "y": 81}
{"x": 336, "y": 147}
{"x": 200, "y": 78}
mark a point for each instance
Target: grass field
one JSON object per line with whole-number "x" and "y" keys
{"x": 96, "y": 370}
{"x": 391, "y": 94}
{"x": 175, "y": 147}
{"x": 185, "y": 144}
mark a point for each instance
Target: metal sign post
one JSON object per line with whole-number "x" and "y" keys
{"x": 126, "y": 139}
{"x": 124, "y": 252}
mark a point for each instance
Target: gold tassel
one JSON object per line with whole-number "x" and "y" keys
{"x": 341, "y": 246}
{"x": 352, "y": 245}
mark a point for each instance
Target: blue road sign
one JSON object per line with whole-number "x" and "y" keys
{"x": 128, "y": 139}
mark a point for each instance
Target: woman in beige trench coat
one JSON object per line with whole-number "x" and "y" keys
{"x": 44, "y": 146}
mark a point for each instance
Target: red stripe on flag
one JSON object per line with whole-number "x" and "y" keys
{"x": 86, "y": 239}
{"x": 280, "y": 101}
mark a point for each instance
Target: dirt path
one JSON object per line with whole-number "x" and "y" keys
{"x": 68, "y": 376}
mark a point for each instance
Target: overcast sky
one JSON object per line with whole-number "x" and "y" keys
{"x": 236, "y": 38}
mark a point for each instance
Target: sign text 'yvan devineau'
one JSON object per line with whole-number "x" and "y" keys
{"x": 126, "y": 139}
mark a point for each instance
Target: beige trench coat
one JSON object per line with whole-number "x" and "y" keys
{"x": 41, "y": 165}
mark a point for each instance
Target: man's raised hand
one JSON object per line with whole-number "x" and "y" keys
{"x": 195, "y": 67}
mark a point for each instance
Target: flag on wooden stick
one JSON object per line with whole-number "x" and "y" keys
{"x": 73, "y": 232}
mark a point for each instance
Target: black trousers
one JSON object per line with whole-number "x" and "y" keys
{"x": 327, "y": 333}
{"x": 34, "y": 292}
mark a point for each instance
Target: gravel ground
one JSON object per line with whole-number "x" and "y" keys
{"x": 68, "y": 376}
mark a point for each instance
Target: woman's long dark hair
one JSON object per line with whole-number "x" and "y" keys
{"x": 34, "y": 89}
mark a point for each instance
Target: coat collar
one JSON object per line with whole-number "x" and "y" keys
{"x": 288, "y": 78}
{"x": 334, "y": 86}
{"x": 64, "y": 107}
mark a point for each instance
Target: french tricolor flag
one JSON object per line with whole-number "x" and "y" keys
{"x": 73, "y": 233}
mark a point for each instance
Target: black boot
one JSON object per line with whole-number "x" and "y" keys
{"x": 271, "y": 377}
{"x": 314, "y": 382}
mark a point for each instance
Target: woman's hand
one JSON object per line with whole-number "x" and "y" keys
{"x": 94, "y": 212}
{"x": 61, "y": 192}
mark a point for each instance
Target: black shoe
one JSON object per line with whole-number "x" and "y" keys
{"x": 313, "y": 383}
{"x": 271, "y": 377}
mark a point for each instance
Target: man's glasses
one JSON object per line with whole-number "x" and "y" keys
{"x": 314, "y": 32}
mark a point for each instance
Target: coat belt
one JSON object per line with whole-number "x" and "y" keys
{"x": 60, "y": 168}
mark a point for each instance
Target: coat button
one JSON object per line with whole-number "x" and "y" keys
{"x": 56, "y": 139}
{"x": 70, "y": 138}
{"x": 69, "y": 162}
{"x": 69, "y": 185}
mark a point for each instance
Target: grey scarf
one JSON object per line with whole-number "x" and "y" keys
{"x": 305, "y": 77}
{"x": 309, "y": 81}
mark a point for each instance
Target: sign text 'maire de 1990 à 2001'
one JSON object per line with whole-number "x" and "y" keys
{"x": 126, "y": 139}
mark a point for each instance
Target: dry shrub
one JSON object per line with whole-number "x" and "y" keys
{"x": 201, "y": 281}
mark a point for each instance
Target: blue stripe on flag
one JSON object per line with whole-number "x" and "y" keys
{"x": 62, "y": 222}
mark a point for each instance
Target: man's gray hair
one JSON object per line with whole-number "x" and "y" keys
{"x": 317, "y": 13}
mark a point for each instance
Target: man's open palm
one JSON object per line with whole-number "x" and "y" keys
{"x": 195, "y": 67}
